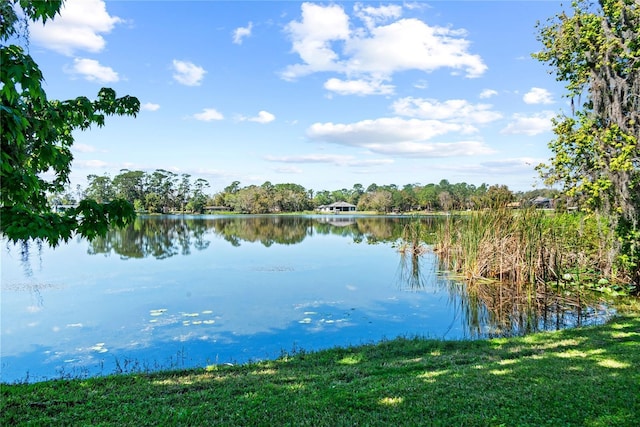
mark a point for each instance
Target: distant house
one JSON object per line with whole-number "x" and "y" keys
{"x": 210, "y": 209}
{"x": 337, "y": 207}
{"x": 541, "y": 202}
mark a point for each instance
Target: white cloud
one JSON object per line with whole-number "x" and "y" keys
{"x": 187, "y": 73}
{"x": 511, "y": 164}
{"x": 488, "y": 93}
{"x": 84, "y": 148}
{"x": 262, "y": 117}
{"x": 538, "y": 95}
{"x": 310, "y": 158}
{"x": 421, "y": 84}
{"x": 358, "y": 87}
{"x": 530, "y": 125}
{"x": 312, "y": 37}
{"x": 508, "y": 166}
{"x": 89, "y": 164}
{"x": 78, "y": 27}
{"x": 454, "y": 110}
{"x": 371, "y": 15}
{"x": 241, "y": 32}
{"x": 383, "y": 130}
{"x": 289, "y": 169}
{"x": 410, "y": 44}
{"x": 92, "y": 70}
{"x": 208, "y": 115}
{"x": 149, "y": 106}
{"x": 335, "y": 159}
{"x": 400, "y": 137}
{"x": 328, "y": 41}
{"x": 432, "y": 149}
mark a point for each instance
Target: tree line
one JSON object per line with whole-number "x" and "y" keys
{"x": 443, "y": 196}
{"x": 164, "y": 191}
{"x": 160, "y": 191}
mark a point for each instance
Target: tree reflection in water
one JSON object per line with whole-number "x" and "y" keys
{"x": 488, "y": 308}
{"x": 165, "y": 236}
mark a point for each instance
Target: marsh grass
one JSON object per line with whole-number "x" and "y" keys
{"x": 531, "y": 269}
{"x": 584, "y": 376}
{"x": 528, "y": 246}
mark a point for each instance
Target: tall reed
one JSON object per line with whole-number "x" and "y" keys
{"x": 526, "y": 245}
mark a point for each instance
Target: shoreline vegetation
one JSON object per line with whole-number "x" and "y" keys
{"x": 532, "y": 247}
{"x": 582, "y": 376}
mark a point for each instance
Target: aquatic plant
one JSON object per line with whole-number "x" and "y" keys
{"x": 529, "y": 246}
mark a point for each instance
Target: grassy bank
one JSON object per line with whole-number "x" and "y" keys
{"x": 586, "y": 377}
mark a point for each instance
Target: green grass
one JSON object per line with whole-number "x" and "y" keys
{"x": 583, "y": 377}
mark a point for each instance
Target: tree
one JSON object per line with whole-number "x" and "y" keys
{"x": 322, "y": 198}
{"x": 356, "y": 192}
{"x": 198, "y": 199}
{"x": 162, "y": 184}
{"x": 100, "y": 188}
{"x": 428, "y": 196}
{"x": 36, "y": 136}
{"x": 596, "y": 52}
{"x": 183, "y": 191}
{"x": 129, "y": 185}
{"x": 497, "y": 196}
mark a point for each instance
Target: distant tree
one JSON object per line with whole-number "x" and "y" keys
{"x": 341, "y": 195}
{"x": 183, "y": 191}
{"x": 428, "y": 196}
{"x": 36, "y": 136}
{"x": 198, "y": 199}
{"x": 100, "y": 188}
{"x": 356, "y": 192}
{"x": 252, "y": 199}
{"x": 129, "y": 185}
{"x": 498, "y": 196}
{"x": 445, "y": 200}
{"x": 372, "y": 188}
{"x": 291, "y": 197}
{"x": 162, "y": 184}
{"x": 381, "y": 201}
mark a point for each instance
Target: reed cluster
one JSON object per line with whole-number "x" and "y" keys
{"x": 527, "y": 246}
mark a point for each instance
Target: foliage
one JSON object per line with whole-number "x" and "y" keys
{"x": 159, "y": 192}
{"x": 596, "y": 52}
{"x": 584, "y": 376}
{"x": 36, "y": 136}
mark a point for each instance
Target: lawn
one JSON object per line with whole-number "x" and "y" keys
{"x": 582, "y": 377}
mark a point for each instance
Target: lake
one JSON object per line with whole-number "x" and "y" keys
{"x": 190, "y": 291}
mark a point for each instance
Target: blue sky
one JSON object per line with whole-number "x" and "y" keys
{"x": 325, "y": 94}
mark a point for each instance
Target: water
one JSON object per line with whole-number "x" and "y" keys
{"x": 176, "y": 292}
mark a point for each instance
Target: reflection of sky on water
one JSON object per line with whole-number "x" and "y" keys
{"x": 79, "y": 314}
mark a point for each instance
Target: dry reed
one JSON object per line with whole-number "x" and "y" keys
{"x": 526, "y": 246}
